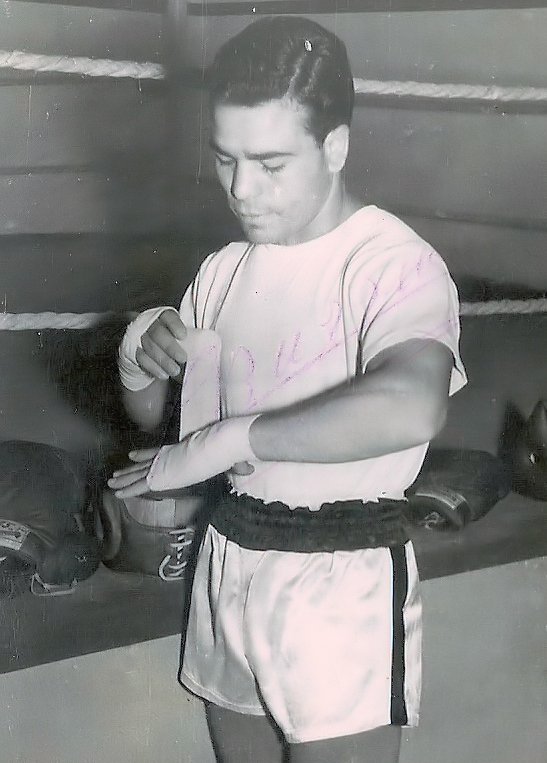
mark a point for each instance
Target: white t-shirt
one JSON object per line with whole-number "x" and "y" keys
{"x": 296, "y": 320}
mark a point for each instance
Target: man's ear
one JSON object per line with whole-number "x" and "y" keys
{"x": 336, "y": 148}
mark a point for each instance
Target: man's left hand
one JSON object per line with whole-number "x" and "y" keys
{"x": 213, "y": 450}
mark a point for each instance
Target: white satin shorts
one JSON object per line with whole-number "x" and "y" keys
{"x": 329, "y": 644}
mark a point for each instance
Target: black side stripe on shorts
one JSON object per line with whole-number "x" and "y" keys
{"x": 400, "y": 589}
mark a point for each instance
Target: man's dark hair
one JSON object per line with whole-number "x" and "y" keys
{"x": 286, "y": 57}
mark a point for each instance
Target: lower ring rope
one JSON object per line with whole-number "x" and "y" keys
{"x": 49, "y": 320}
{"x": 75, "y": 321}
{"x": 504, "y": 307}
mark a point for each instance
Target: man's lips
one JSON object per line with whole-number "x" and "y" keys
{"x": 250, "y": 214}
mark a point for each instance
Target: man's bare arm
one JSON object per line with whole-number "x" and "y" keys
{"x": 146, "y": 407}
{"x": 160, "y": 358}
{"x": 399, "y": 402}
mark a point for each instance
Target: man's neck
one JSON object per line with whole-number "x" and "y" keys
{"x": 339, "y": 206}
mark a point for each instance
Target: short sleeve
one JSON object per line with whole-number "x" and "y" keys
{"x": 406, "y": 294}
{"x": 192, "y": 306}
{"x": 203, "y": 299}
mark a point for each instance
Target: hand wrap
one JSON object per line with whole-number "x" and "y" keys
{"x": 132, "y": 375}
{"x": 203, "y": 454}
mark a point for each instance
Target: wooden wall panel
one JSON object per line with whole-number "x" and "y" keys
{"x": 84, "y": 202}
{"x": 61, "y": 124}
{"x": 81, "y": 154}
{"x": 486, "y": 165}
{"x": 503, "y": 47}
{"x": 81, "y": 31}
{"x": 472, "y": 177}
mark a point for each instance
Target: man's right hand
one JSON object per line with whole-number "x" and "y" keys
{"x": 162, "y": 355}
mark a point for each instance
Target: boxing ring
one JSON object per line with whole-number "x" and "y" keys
{"x": 110, "y": 650}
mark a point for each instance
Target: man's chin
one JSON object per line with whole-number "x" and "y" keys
{"x": 259, "y": 234}
{"x": 256, "y": 229}
{"x": 256, "y": 237}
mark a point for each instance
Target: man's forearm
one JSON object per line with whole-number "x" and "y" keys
{"x": 146, "y": 407}
{"x": 398, "y": 404}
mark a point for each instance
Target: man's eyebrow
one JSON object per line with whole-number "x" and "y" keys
{"x": 260, "y": 156}
{"x": 265, "y": 155}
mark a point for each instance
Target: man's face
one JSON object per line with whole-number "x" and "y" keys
{"x": 277, "y": 178}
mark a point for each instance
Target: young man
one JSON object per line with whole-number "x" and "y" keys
{"x": 337, "y": 333}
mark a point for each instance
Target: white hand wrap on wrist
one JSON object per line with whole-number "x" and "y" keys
{"x": 132, "y": 376}
{"x": 202, "y": 455}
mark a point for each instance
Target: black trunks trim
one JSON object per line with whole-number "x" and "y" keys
{"x": 338, "y": 526}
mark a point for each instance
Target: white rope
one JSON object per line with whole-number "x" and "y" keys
{"x": 504, "y": 307}
{"x": 41, "y": 321}
{"x": 104, "y": 67}
{"x": 61, "y": 321}
{"x": 91, "y": 67}
{"x": 449, "y": 91}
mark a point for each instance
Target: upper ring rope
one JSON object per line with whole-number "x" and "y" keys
{"x": 90, "y": 67}
{"x": 104, "y": 67}
{"x": 449, "y": 91}
{"x": 62, "y": 321}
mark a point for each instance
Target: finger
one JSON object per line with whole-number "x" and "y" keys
{"x": 148, "y": 454}
{"x": 123, "y": 481}
{"x": 149, "y": 366}
{"x": 132, "y": 468}
{"x": 161, "y": 336}
{"x": 152, "y": 357}
{"x": 125, "y": 478}
{"x": 174, "y": 323}
{"x": 242, "y": 468}
{"x": 131, "y": 491}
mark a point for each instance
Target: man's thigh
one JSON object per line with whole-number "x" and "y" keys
{"x": 241, "y": 738}
{"x": 381, "y": 745}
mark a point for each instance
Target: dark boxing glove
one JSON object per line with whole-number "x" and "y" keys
{"x": 523, "y": 447}
{"x": 42, "y": 503}
{"x": 456, "y": 487}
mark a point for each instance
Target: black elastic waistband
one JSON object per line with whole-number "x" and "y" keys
{"x": 338, "y": 526}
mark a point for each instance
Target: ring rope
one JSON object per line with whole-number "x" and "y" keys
{"x": 49, "y": 320}
{"x": 91, "y": 67}
{"x": 504, "y": 307}
{"x": 104, "y": 67}
{"x": 62, "y": 321}
{"x": 450, "y": 91}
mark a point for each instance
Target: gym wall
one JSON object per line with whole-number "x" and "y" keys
{"x": 82, "y": 155}
{"x": 470, "y": 177}
{"x": 101, "y": 208}
{"x": 107, "y": 195}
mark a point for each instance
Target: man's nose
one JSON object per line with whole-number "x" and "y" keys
{"x": 244, "y": 181}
